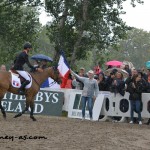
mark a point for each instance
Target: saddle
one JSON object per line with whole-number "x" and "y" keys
{"x": 17, "y": 79}
{"x": 22, "y": 79}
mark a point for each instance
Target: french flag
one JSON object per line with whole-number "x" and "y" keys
{"x": 64, "y": 69}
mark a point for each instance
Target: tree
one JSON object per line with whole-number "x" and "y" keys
{"x": 43, "y": 43}
{"x": 135, "y": 48}
{"x": 19, "y": 23}
{"x": 80, "y": 25}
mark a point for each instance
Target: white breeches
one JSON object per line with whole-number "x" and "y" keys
{"x": 24, "y": 74}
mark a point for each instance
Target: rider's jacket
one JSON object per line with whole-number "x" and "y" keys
{"x": 20, "y": 60}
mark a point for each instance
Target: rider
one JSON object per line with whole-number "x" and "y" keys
{"x": 20, "y": 60}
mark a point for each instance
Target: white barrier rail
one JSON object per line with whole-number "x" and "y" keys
{"x": 106, "y": 104}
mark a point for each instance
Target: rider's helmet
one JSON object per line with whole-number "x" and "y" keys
{"x": 27, "y": 45}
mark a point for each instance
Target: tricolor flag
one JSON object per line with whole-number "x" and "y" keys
{"x": 64, "y": 69}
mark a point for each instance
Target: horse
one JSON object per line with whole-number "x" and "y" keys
{"x": 37, "y": 79}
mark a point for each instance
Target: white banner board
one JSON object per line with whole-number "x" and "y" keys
{"x": 75, "y": 107}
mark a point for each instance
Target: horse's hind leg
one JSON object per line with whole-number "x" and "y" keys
{"x": 2, "y": 110}
{"x": 32, "y": 109}
{"x": 2, "y": 93}
{"x": 26, "y": 109}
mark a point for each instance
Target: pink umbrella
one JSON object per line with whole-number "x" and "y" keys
{"x": 114, "y": 63}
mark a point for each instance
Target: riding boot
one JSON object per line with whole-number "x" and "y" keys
{"x": 22, "y": 88}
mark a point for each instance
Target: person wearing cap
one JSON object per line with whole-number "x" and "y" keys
{"x": 89, "y": 92}
{"x": 19, "y": 62}
{"x": 82, "y": 70}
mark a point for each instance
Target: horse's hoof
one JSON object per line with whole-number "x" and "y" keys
{"x": 32, "y": 118}
{"x": 147, "y": 123}
{"x": 18, "y": 115}
{"x": 4, "y": 116}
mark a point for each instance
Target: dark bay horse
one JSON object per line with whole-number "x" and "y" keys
{"x": 37, "y": 79}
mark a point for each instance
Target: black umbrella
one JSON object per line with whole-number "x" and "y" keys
{"x": 41, "y": 57}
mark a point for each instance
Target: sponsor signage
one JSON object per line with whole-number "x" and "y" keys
{"x": 45, "y": 103}
{"x": 75, "y": 105}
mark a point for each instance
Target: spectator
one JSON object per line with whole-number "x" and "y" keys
{"x": 78, "y": 84}
{"x": 143, "y": 70}
{"x": 143, "y": 80}
{"x": 127, "y": 69}
{"x": 135, "y": 89}
{"x": 146, "y": 74}
{"x": 102, "y": 82}
{"x": 3, "y": 68}
{"x": 89, "y": 93}
{"x": 148, "y": 89}
{"x": 43, "y": 64}
{"x": 109, "y": 67}
{"x": 97, "y": 70}
{"x": 118, "y": 84}
{"x": 147, "y": 77}
{"x": 110, "y": 79}
{"x": 130, "y": 78}
{"x": 69, "y": 82}
{"x": 82, "y": 72}
{"x": 36, "y": 64}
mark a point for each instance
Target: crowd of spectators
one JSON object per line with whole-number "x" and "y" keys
{"x": 136, "y": 83}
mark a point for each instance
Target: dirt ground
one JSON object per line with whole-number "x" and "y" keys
{"x": 61, "y": 133}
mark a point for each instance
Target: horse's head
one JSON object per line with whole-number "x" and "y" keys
{"x": 55, "y": 75}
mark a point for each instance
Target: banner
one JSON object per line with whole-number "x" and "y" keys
{"x": 45, "y": 103}
{"x": 75, "y": 106}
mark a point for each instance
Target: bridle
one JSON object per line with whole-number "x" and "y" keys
{"x": 52, "y": 83}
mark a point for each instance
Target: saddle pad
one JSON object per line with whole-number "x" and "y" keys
{"x": 16, "y": 81}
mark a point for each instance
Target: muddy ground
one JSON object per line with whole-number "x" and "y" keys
{"x": 62, "y": 133}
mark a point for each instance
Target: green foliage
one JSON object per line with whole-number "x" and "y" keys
{"x": 19, "y": 23}
{"x": 43, "y": 43}
{"x": 135, "y": 48}
{"x": 79, "y": 26}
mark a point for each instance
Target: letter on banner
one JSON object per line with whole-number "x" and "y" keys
{"x": 98, "y": 106}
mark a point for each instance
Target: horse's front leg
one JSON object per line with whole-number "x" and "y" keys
{"x": 26, "y": 109}
{"x": 2, "y": 110}
{"x": 32, "y": 109}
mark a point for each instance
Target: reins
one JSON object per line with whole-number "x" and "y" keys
{"x": 51, "y": 84}
{"x": 35, "y": 80}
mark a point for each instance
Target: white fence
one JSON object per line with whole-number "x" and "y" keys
{"x": 106, "y": 104}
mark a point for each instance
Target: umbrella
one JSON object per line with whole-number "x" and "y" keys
{"x": 114, "y": 63}
{"x": 108, "y": 71}
{"x": 41, "y": 57}
{"x": 131, "y": 66}
{"x": 148, "y": 64}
